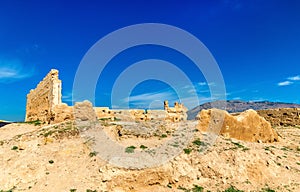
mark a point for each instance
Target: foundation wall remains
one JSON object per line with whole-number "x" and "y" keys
{"x": 282, "y": 116}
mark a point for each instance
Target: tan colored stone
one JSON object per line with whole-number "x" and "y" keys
{"x": 62, "y": 112}
{"x": 44, "y": 104}
{"x": 104, "y": 113}
{"x": 176, "y": 113}
{"x": 42, "y": 100}
{"x": 281, "y": 117}
{"x": 83, "y": 111}
{"x": 247, "y": 126}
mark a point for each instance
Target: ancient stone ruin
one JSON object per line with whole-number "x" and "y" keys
{"x": 281, "y": 117}
{"x": 44, "y": 104}
{"x": 44, "y": 98}
{"x": 247, "y": 126}
{"x": 176, "y": 113}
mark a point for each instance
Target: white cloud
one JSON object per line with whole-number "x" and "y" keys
{"x": 285, "y": 83}
{"x": 67, "y": 97}
{"x": 202, "y": 83}
{"x": 295, "y": 78}
{"x": 12, "y": 70}
{"x": 149, "y": 97}
{"x": 156, "y": 99}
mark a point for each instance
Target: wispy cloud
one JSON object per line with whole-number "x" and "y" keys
{"x": 202, "y": 83}
{"x": 289, "y": 81}
{"x": 294, "y": 78}
{"x": 155, "y": 100}
{"x": 12, "y": 70}
{"x": 145, "y": 100}
{"x": 190, "y": 95}
{"x": 284, "y": 83}
{"x": 67, "y": 97}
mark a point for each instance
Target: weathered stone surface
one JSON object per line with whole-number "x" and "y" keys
{"x": 247, "y": 126}
{"x": 176, "y": 113}
{"x": 44, "y": 104}
{"x": 281, "y": 117}
{"x": 83, "y": 111}
{"x": 63, "y": 112}
{"x": 104, "y": 113}
{"x": 42, "y": 100}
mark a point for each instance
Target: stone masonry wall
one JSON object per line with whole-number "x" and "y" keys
{"x": 42, "y": 100}
{"x": 281, "y": 117}
{"x": 44, "y": 103}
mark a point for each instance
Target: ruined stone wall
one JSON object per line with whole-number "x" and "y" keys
{"x": 281, "y": 117}
{"x": 176, "y": 113}
{"x": 104, "y": 113}
{"x": 44, "y": 104}
{"x": 42, "y": 100}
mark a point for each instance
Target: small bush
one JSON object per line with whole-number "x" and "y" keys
{"x": 35, "y": 123}
{"x": 92, "y": 154}
{"x": 14, "y": 148}
{"x": 73, "y": 190}
{"x": 10, "y": 190}
{"x": 232, "y": 189}
{"x": 163, "y": 136}
{"x": 198, "y": 142}
{"x": 89, "y": 190}
{"x": 130, "y": 149}
{"x": 187, "y": 150}
{"x": 284, "y": 149}
{"x": 237, "y": 144}
{"x": 143, "y": 147}
{"x": 267, "y": 190}
{"x": 197, "y": 189}
{"x": 51, "y": 161}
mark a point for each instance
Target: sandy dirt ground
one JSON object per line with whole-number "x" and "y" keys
{"x": 57, "y": 158}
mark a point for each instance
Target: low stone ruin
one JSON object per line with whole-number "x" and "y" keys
{"x": 44, "y": 104}
{"x": 247, "y": 126}
{"x": 176, "y": 113}
{"x": 281, "y": 117}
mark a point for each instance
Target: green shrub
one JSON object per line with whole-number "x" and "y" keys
{"x": 232, "y": 189}
{"x": 14, "y": 148}
{"x": 198, "y": 142}
{"x": 143, "y": 147}
{"x": 130, "y": 149}
{"x": 92, "y": 154}
{"x": 89, "y": 190}
{"x": 187, "y": 150}
{"x": 267, "y": 190}
{"x": 197, "y": 189}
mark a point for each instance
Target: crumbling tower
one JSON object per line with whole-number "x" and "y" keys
{"x": 42, "y": 100}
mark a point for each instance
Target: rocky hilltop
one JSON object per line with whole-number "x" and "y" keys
{"x": 235, "y": 106}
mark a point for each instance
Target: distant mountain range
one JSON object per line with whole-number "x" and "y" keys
{"x": 234, "y": 106}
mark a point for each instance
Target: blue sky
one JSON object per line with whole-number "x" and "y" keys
{"x": 255, "y": 43}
